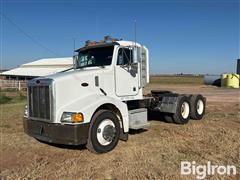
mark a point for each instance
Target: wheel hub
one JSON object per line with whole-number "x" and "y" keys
{"x": 185, "y": 110}
{"x": 106, "y": 132}
{"x": 109, "y": 133}
{"x": 200, "y": 107}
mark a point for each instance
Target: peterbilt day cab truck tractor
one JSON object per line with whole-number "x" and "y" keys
{"x": 101, "y": 98}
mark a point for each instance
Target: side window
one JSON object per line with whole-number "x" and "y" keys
{"x": 124, "y": 56}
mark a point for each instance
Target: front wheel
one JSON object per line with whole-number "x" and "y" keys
{"x": 104, "y": 132}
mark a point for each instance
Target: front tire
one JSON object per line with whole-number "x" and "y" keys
{"x": 104, "y": 132}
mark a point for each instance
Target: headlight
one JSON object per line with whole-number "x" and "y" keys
{"x": 72, "y": 117}
{"x": 26, "y": 111}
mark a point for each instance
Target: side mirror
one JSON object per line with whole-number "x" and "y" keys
{"x": 135, "y": 55}
{"x": 75, "y": 58}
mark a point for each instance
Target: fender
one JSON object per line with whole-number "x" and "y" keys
{"x": 89, "y": 104}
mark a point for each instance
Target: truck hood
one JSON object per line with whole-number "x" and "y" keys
{"x": 75, "y": 85}
{"x": 77, "y": 74}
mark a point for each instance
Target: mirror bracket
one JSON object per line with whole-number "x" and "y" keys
{"x": 134, "y": 67}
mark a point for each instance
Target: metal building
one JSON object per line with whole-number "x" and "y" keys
{"x": 38, "y": 68}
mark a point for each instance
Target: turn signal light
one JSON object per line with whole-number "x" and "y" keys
{"x": 78, "y": 117}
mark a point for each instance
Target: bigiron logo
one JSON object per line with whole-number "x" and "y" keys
{"x": 201, "y": 171}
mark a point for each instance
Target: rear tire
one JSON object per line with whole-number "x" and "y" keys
{"x": 183, "y": 110}
{"x": 169, "y": 118}
{"x": 198, "y": 104}
{"x": 104, "y": 132}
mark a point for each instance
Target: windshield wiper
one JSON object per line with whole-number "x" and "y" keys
{"x": 66, "y": 70}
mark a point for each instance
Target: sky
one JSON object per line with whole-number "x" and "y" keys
{"x": 183, "y": 36}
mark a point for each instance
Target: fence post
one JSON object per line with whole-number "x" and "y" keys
{"x": 19, "y": 85}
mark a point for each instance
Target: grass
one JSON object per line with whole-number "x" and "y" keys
{"x": 12, "y": 96}
{"x": 9, "y": 90}
{"x": 4, "y": 99}
{"x": 191, "y": 80}
{"x": 152, "y": 154}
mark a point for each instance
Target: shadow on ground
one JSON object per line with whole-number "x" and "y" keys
{"x": 156, "y": 116}
{"x": 65, "y": 146}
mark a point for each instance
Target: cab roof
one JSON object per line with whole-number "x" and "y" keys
{"x": 128, "y": 43}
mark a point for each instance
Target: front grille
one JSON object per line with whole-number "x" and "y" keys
{"x": 39, "y": 101}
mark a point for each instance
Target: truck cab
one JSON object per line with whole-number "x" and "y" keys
{"x": 100, "y": 99}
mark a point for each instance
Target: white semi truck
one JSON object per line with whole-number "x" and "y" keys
{"x": 101, "y": 98}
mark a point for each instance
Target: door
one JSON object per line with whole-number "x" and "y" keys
{"x": 126, "y": 77}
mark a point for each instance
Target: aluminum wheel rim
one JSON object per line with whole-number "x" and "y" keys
{"x": 200, "y": 107}
{"x": 185, "y": 110}
{"x": 100, "y": 129}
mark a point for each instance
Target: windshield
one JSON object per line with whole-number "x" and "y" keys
{"x": 101, "y": 56}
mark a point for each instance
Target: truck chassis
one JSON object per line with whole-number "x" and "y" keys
{"x": 101, "y": 98}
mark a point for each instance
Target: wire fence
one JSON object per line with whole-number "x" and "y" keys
{"x": 20, "y": 85}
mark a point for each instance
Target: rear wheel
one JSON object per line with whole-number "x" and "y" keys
{"x": 104, "y": 132}
{"x": 182, "y": 114}
{"x": 169, "y": 118}
{"x": 197, "y": 107}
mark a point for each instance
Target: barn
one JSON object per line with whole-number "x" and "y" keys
{"x": 41, "y": 67}
{"x": 17, "y": 78}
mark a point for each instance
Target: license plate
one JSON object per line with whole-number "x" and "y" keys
{"x": 37, "y": 129}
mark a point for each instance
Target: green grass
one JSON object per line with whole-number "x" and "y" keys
{"x": 191, "y": 80}
{"x": 4, "y": 99}
{"x": 9, "y": 90}
{"x": 7, "y": 97}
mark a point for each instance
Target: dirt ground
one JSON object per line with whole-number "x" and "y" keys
{"x": 155, "y": 153}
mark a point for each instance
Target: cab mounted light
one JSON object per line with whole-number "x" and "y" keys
{"x": 106, "y": 39}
